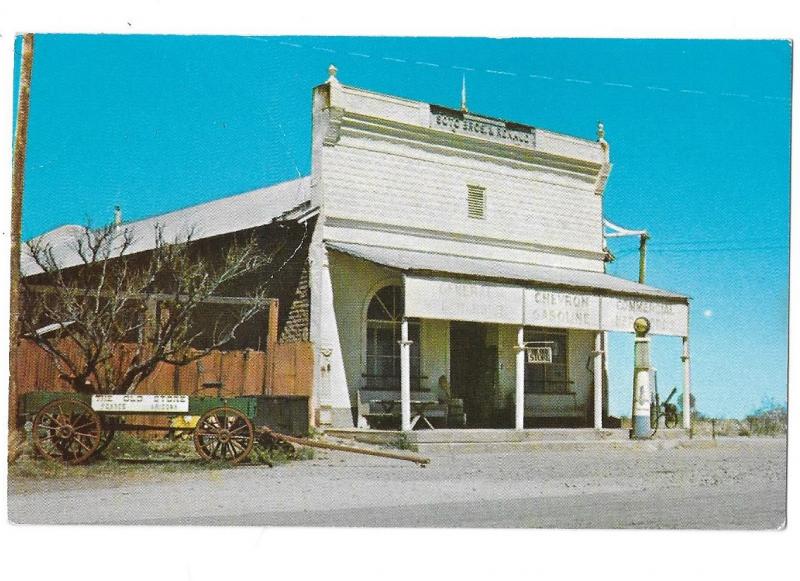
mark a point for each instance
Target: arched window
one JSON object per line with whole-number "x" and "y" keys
{"x": 384, "y": 317}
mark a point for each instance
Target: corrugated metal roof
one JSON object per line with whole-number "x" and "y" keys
{"x": 224, "y": 216}
{"x": 418, "y": 262}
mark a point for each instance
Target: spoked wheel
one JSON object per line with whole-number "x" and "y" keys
{"x": 67, "y": 430}
{"x": 671, "y": 420}
{"x": 224, "y": 434}
{"x": 109, "y": 430}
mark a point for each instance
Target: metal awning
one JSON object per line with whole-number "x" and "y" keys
{"x": 444, "y": 286}
{"x": 434, "y": 263}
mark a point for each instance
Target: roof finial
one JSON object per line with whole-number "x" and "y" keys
{"x": 332, "y": 71}
{"x": 117, "y": 215}
{"x": 464, "y": 92}
{"x": 601, "y": 139}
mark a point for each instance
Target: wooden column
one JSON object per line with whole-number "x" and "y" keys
{"x": 519, "y": 422}
{"x": 687, "y": 386}
{"x": 598, "y": 380}
{"x": 405, "y": 377}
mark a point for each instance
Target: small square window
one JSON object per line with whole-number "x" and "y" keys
{"x": 476, "y": 202}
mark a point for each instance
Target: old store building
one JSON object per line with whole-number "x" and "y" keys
{"x": 442, "y": 244}
{"x": 445, "y": 242}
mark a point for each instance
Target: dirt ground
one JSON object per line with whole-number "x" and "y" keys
{"x": 729, "y": 483}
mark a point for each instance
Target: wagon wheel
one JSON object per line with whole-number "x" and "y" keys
{"x": 67, "y": 430}
{"x": 671, "y": 420}
{"x": 224, "y": 433}
{"x": 109, "y": 430}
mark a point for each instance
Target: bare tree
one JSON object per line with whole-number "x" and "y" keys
{"x": 82, "y": 314}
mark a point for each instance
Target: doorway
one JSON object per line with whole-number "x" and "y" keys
{"x": 474, "y": 373}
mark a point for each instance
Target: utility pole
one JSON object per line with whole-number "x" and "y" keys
{"x": 17, "y": 182}
{"x": 643, "y": 256}
{"x": 619, "y": 232}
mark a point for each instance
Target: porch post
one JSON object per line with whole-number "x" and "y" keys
{"x": 520, "y": 384}
{"x": 405, "y": 377}
{"x": 598, "y": 380}
{"x": 687, "y": 386}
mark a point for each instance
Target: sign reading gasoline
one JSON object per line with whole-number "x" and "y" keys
{"x": 463, "y": 300}
{"x": 571, "y": 310}
{"x": 140, "y": 403}
{"x": 482, "y": 127}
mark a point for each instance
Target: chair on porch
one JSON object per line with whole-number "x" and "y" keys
{"x": 379, "y": 404}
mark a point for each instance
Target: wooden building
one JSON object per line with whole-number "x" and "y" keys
{"x": 448, "y": 241}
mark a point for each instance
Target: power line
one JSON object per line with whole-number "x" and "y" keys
{"x": 694, "y": 242}
{"x": 572, "y": 80}
{"x": 701, "y": 250}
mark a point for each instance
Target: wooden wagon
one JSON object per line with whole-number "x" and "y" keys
{"x": 73, "y": 427}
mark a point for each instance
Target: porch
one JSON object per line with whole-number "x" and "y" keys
{"x": 451, "y": 328}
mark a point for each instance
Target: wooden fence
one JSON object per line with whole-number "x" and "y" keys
{"x": 288, "y": 370}
{"x": 231, "y": 372}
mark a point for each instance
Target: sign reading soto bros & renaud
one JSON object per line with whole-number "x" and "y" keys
{"x": 464, "y": 300}
{"x": 469, "y": 125}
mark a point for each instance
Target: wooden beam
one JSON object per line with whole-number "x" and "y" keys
{"x": 417, "y": 459}
{"x": 245, "y": 369}
{"x": 212, "y": 300}
{"x": 272, "y": 341}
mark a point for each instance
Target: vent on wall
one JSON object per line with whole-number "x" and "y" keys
{"x": 476, "y": 202}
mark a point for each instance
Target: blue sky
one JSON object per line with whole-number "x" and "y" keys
{"x": 699, "y": 134}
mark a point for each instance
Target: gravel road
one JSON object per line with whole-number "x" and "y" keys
{"x": 730, "y": 483}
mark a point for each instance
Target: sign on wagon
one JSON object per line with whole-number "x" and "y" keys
{"x": 140, "y": 403}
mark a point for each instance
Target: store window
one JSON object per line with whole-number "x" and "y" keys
{"x": 548, "y": 377}
{"x": 384, "y": 319}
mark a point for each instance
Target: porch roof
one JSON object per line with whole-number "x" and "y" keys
{"x": 431, "y": 263}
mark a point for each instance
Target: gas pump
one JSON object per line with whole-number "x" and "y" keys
{"x": 641, "y": 381}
